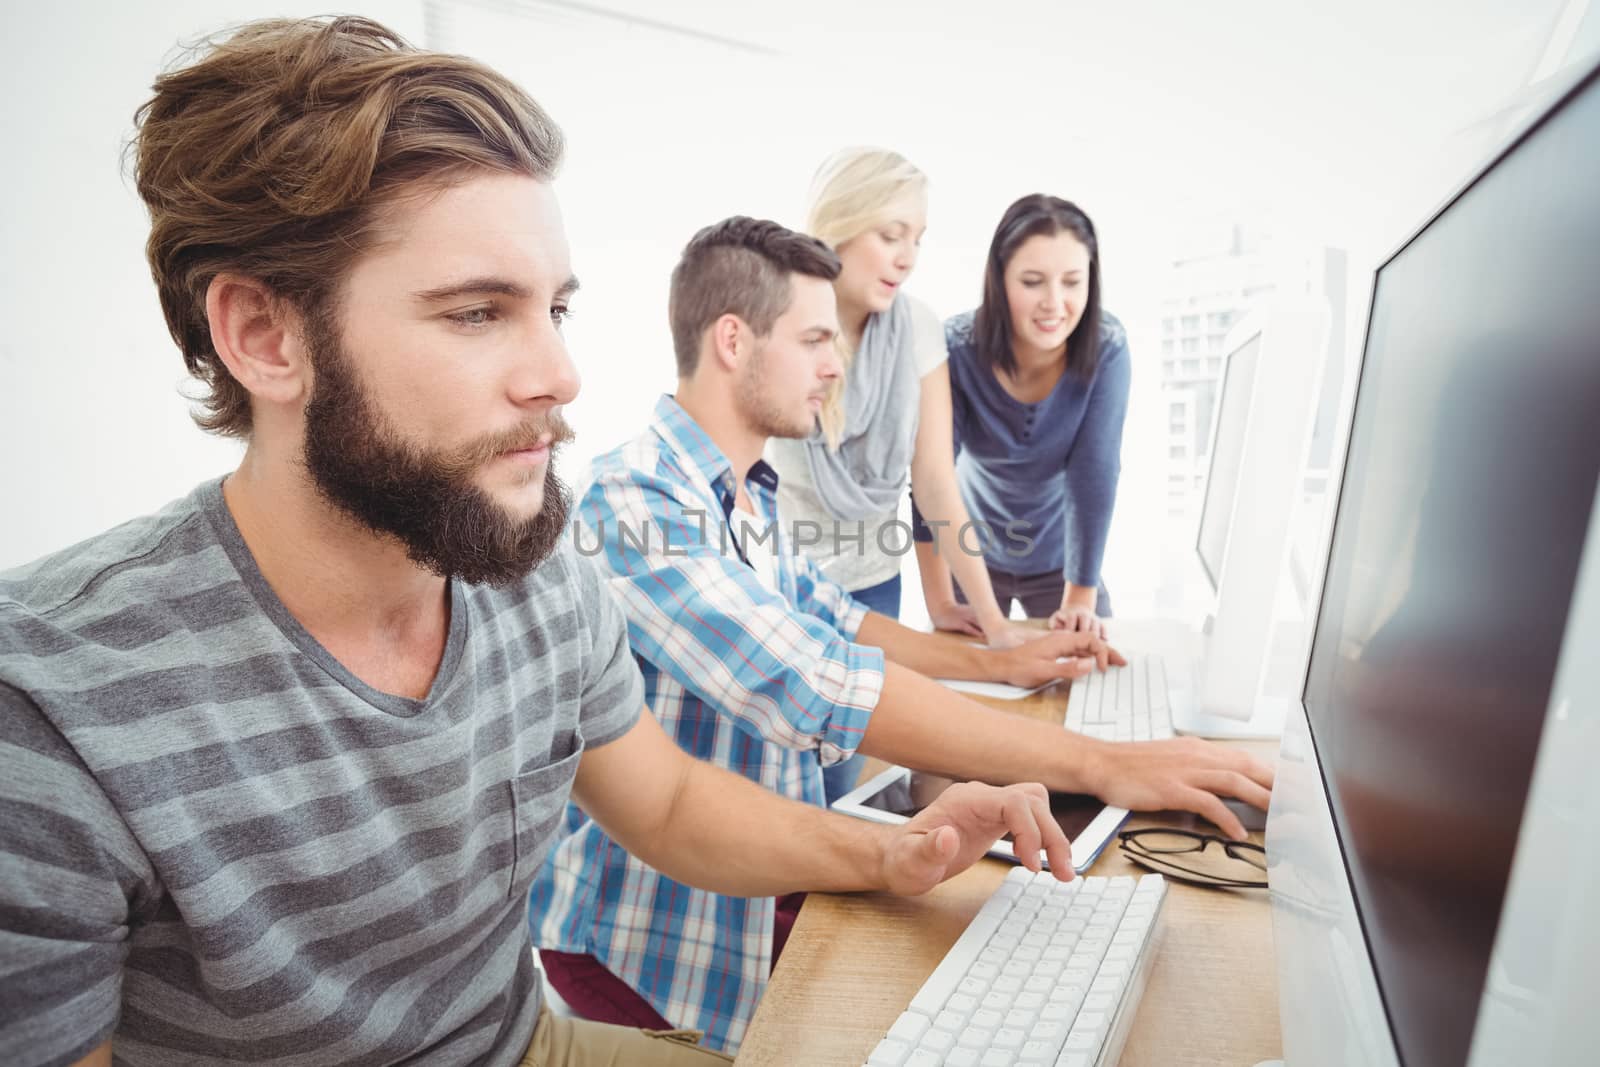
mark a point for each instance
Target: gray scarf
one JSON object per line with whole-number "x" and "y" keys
{"x": 866, "y": 475}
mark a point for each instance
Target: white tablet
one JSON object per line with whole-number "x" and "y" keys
{"x": 898, "y": 794}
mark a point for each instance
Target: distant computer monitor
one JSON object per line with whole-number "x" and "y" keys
{"x": 1227, "y": 451}
{"x": 1259, "y": 436}
{"x": 1467, "y": 500}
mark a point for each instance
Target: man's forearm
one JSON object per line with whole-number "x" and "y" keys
{"x": 920, "y": 723}
{"x": 727, "y": 834}
{"x": 936, "y": 655}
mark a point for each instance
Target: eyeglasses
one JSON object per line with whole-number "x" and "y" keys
{"x": 1182, "y": 854}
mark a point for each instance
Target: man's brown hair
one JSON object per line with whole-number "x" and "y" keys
{"x": 739, "y": 266}
{"x": 271, "y": 155}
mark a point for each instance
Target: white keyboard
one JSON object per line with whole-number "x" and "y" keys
{"x": 1046, "y": 973}
{"x": 1122, "y": 703}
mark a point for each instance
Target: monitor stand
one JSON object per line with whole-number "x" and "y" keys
{"x": 1265, "y": 724}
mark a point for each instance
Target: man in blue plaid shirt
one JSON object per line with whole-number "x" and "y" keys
{"x": 754, "y": 661}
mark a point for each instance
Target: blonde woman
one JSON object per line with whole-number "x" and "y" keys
{"x": 888, "y": 424}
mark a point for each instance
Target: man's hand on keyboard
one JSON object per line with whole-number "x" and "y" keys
{"x": 951, "y": 834}
{"x": 1057, "y": 656}
{"x": 1182, "y": 774}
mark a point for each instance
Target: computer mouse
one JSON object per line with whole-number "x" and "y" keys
{"x": 1252, "y": 817}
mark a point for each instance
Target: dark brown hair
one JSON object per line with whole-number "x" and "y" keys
{"x": 739, "y": 266}
{"x": 1034, "y": 216}
{"x": 272, "y": 154}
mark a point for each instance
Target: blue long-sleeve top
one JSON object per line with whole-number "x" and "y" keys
{"x": 1042, "y": 476}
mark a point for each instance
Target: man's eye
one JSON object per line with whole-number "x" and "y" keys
{"x": 560, "y": 315}
{"x": 473, "y": 317}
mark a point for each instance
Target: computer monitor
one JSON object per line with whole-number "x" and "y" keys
{"x": 1227, "y": 451}
{"x": 1460, "y": 605}
{"x": 1259, "y": 439}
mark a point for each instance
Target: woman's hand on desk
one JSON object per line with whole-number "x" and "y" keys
{"x": 955, "y": 617}
{"x": 1078, "y": 620}
{"x": 997, "y": 632}
{"x": 1183, "y": 774}
{"x": 953, "y": 832}
{"x": 1057, "y": 656}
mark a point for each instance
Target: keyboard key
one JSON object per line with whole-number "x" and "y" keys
{"x": 889, "y": 1053}
{"x": 988, "y": 1019}
{"x": 1018, "y": 1019}
{"x": 1032, "y": 1003}
{"x": 974, "y": 1037}
{"x": 909, "y": 1028}
{"x": 1106, "y": 983}
{"x": 1099, "y": 1002}
{"x": 1009, "y": 1039}
{"x": 1037, "y": 1052}
{"x": 962, "y": 1005}
{"x": 1082, "y": 1040}
{"x": 961, "y": 1056}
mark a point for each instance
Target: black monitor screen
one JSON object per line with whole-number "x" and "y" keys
{"x": 1227, "y": 454}
{"x": 1468, "y": 489}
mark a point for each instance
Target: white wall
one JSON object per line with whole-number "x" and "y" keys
{"x": 1338, "y": 121}
{"x": 93, "y": 427}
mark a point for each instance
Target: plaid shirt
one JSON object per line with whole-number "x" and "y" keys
{"x": 768, "y": 686}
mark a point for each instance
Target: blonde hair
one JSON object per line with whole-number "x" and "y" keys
{"x": 851, "y": 193}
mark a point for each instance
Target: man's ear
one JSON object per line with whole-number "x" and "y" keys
{"x": 257, "y": 337}
{"x": 730, "y": 341}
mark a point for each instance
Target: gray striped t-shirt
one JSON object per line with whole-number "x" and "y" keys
{"x": 219, "y": 845}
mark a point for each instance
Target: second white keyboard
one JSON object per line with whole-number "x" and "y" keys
{"x": 1047, "y": 973}
{"x": 1122, "y": 703}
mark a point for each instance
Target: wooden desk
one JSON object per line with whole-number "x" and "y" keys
{"x": 854, "y": 962}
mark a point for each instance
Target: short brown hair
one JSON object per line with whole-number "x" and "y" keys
{"x": 271, "y": 154}
{"x": 739, "y": 266}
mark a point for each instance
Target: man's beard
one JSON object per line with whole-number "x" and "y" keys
{"x": 426, "y": 499}
{"x": 759, "y": 411}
